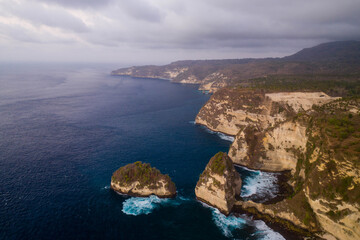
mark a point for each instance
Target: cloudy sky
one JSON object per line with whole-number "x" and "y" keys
{"x": 160, "y": 31}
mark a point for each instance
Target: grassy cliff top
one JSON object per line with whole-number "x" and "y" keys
{"x": 219, "y": 163}
{"x": 332, "y": 158}
{"x": 339, "y": 85}
{"x": 143, "y": 173}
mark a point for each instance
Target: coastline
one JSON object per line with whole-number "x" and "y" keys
{"x": 215, "y": 131}
{"x": 129, "y": 75}
{"x": 287, "y": 233}
{"x": 286, "y": 228}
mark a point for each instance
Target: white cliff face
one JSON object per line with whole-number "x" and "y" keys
{"x": 276, "y": 149}
{"x": 229, "y": 112}
{"x": 282, "y": 131}
{"x": 219, "y": 184}
{"x": 151, "y": 72}
{"x": 264, "y": 139}
{"x": 212, "y": 194}
{"x": 136, "y": 189}
{"x": 173, "y": 73}
{"x": 190, "y": 80}
{"x": 214, "y": 81}
{"x": 347, "y": 228}
{"x": 300, "y": 101}
{"x": 176, "y": 73}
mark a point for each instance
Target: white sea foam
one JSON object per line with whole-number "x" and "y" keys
{"x": 144, "y": 205}
{"x": 265, "y": 233}
{"x": 106, "y": 187}
{"x": 184, "y": 198}
{"x": 248, "y": 169}
{"x": 192, "y": 122}
{"x": 227, "y": 224}
{"x": 139, "y": 205}
{"x": 223, "y": 136}
{"x": 262, "y": 184}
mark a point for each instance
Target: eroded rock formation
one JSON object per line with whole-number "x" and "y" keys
{"x": 265, "y": 137}
{"x": 219, "y": 183}
{"x": 311, "y": 134}
{"x": 141, "y": 180}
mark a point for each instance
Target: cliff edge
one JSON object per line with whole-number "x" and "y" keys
{"x": 219, "y": 183}
{"x": 313, "y": 135}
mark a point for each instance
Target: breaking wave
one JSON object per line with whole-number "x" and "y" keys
{"x": 258, "y": 185}
{"x": 227, "y": 224}
{"x": 144, "y": 205}
{"x": 265, "y": 233}
{"x": 223, "y": 136}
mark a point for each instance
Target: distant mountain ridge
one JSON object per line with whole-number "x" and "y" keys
{"x": 332, "y": 51}
{"x": 334, "y": 58}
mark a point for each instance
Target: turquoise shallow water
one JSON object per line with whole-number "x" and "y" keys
{"x": 64, "y": 129}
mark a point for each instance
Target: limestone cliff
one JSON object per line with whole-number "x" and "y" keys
{"x": 200, "y": 72}
{"x": 329, "y": 171}
{"x": 312, "y": 68}
{"x": 141, "y": 180}
{"x": 311, "y": 134}
{"x": 294, "y": 213}
{"x": 219, "y": 183}
{"x": 261, "y": 126}
{"x": 326, "y": 180}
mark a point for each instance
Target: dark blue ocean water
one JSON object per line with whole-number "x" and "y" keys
{"x": 64, "y": 129}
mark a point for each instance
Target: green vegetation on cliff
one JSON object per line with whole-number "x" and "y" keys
{"x": 219, "y": 184}
{"x": 331, "y": 163}
{"x": 331, "y": 67}
{"x": 333, "y": 149}
{"x": 142, "y": 173}
{"x": 217, "y": 165}
{"x": 331, "y": 84}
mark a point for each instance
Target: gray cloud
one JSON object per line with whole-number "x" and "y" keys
{"x": 41, "y": 15}
{"x": 141, "y": 10}
{"x": 187, "y": 29}
{"x": 78, "y": 3}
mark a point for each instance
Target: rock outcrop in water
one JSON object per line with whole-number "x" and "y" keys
{"x": 141, "y": 180}
{"x": 311, "y": 134}
{"x": 219, "y": 183}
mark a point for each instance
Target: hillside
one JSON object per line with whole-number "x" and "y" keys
{"x": 340, "y": 60}
{"x": 342, "y": 51}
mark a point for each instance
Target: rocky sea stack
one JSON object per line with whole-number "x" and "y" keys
{"x": 219, "y": 183}
{"x": 141, "y": 180}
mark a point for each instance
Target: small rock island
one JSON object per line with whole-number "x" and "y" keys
{"x": 141, "y": 180}
{"x": 219, "y": 183}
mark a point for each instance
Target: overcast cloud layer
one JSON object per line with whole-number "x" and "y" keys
{"x": 160, "y": 31}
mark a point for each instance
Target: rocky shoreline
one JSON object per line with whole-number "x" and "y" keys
{"x": 287, "y": 233}
{"x": 284, "y": 132}
{"x": 219, "y": 189}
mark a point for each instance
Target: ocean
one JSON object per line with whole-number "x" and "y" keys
{"x": 65, "y": 128}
